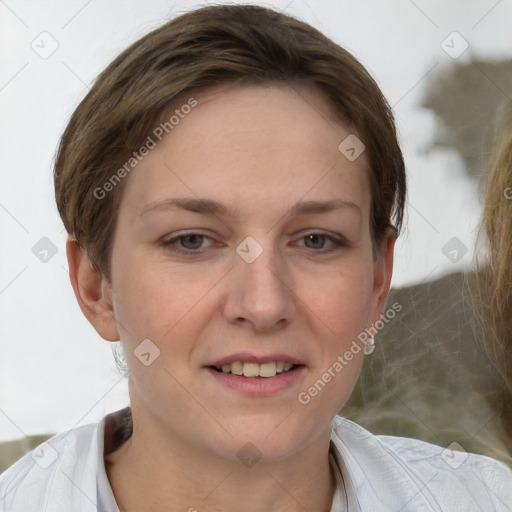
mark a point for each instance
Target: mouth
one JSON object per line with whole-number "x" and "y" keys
{"x": 253, "y": 370}
{"x": 252, "y": 374}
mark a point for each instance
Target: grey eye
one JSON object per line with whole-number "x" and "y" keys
{"x": 191, "y": 241}
{"x": 315, "y": 241}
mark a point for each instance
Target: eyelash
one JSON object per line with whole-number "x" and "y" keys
{"x": 171, "y": 244}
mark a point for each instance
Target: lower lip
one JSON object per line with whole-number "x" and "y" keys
{"x": 260, "y": 386}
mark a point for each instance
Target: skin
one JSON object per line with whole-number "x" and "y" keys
{"x": 258, "y": 150}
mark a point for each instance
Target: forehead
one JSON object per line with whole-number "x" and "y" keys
{"x": 251, "y": 145}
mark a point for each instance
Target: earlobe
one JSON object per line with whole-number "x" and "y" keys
{"x": 92, "y": 290}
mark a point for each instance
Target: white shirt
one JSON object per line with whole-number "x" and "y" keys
{"x": 373, "y": 474}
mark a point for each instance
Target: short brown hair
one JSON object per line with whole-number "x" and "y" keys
{"x": 203, "y": 48}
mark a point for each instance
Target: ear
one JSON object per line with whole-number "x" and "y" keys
{"x": 383, "y": 271}
{"x": 92, "y": 290}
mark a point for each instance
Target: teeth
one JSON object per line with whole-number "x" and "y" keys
{"x": 236, "y": 368}
{"x": 269, "y": 369}
{"x": 251, "y": 369}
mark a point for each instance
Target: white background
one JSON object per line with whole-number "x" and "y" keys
{"x": 55, "y": 371}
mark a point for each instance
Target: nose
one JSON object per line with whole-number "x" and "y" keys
{"x": 259, "y": 293}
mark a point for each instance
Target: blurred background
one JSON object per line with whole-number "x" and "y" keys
{"x": 446, "y": 69}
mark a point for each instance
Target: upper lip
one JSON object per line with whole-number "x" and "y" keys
{"x": 248, "y": 357}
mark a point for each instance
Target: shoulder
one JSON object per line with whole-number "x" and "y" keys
{"x": 435, "y": 478}
{"x": 50, "y": 476}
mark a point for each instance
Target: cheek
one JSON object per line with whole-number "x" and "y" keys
{"x": 342, "y": 312}
{"x": 155, "y": 301}
{"x": 342, "y": 299}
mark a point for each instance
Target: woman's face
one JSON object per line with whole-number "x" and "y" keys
{"x": 243, "y": 243}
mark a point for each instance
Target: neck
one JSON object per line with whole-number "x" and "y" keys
{"x": 146, "y": 474}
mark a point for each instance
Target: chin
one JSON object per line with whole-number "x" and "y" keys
{"x": 271, "y": 437}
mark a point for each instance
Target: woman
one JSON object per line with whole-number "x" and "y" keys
{"x": 232, "y": 187}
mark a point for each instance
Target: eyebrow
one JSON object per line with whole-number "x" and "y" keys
{"x": 210, "y": 207}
